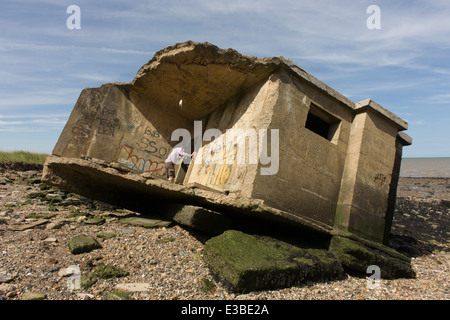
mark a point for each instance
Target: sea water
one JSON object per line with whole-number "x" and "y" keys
{"x": 425, "y": 167}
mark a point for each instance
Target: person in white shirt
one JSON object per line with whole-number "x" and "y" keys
{"x": 174, "y": 157}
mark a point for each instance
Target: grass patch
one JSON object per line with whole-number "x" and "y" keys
{"x": 23, "y": 156}
{"x": 87, "y": 280}
{"x": 207, "y": 286}
{"x": 109, "y": 271}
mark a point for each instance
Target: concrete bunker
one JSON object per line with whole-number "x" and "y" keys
{"x": 321, "y": 162}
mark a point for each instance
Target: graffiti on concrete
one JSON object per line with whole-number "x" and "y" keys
{"x": 129, "y": 158}
{"x": 217, "y": 163}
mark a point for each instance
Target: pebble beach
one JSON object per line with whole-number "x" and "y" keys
{"x": 166, "y": 263}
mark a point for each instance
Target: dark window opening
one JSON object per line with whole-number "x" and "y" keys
{"x": 317, "y": 125}
{"x": 322, "y": 123}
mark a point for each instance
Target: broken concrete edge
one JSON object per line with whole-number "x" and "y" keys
{"x": 89, "y": 170}
{"x": 166, "y": 54}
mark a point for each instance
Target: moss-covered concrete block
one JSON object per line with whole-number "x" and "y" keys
{"x": 249, "y": 263}
{"x": 82, "y": 244}
{"x": 145, "y": 222}
{"x": 108, "y": 272}
{"x": 202, "y": 219}
{"x": 356, "y": 257}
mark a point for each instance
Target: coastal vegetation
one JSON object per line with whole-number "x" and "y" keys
{"x": 22, "y": 156}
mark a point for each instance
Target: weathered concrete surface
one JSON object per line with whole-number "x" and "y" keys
{"x": 357, "y": 257}
{"x": 202, "y": 219}
{"x": 156, "y": 197}
{"x": 338, "y": 160}
{"x": 248, "y": 263}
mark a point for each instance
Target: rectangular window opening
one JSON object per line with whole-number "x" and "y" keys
{"x": 322, "y": 123}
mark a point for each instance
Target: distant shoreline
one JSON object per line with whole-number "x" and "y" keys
{"x": 425, "y": 167}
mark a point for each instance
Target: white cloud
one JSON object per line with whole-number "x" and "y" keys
{"x": 16, "y": 100}
{"x": 95, "y": 77}
{"x": 439, "y": 99}
{"x": 34, "y": 45}
{"x": 10, "y": 123}
{"x": 24, "y": 130}
{"x": 417, "y": 123}
{"x": 32, "y": 122}
{"x": 26, "y": 115}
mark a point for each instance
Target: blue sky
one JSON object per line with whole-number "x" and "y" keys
{"x": 404, "y": 66}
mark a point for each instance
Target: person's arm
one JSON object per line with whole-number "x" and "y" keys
{"x": 184, "y": 154}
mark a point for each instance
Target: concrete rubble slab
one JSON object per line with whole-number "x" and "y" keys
{"x": 153, "y": 196}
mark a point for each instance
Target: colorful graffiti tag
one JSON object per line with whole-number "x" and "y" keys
{"x": 128, "y": 158}
{"x": 217, "y": 164}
